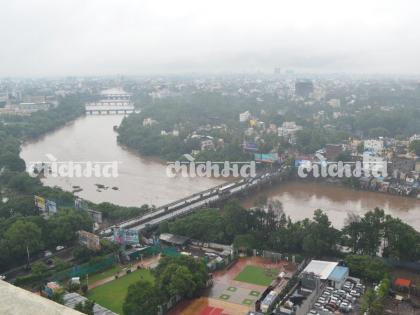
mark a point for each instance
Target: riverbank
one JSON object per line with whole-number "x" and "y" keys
{"x": 371, "y": 185}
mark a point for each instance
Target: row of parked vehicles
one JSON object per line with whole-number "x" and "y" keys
{"x": 341, "y": 300}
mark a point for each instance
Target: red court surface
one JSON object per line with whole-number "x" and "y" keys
{"x": 208, "y": 306}
{"x": 209, "y": 310}
{"x": 215, "y": 306}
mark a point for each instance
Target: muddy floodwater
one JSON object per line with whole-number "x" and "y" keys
{"x": 144, "y": 181}
{"x": 140, "y": 180}
{"x": 300, "y": 199}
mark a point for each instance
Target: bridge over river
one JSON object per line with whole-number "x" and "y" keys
{"x": 207, "y": 198}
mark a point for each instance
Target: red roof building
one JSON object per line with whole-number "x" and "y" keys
{"x": 403, "y": 283}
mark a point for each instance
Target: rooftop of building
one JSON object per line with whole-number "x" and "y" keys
{"x": 321, "y": 268}
{"x": 114, "y": 91}
{"x": 173, "y": 239}
{"x": 72, "y": 299}
{"x": 17, "y": 301}
{"x": 338, "y": 273}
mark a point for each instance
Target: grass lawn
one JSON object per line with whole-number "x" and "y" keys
{"x": 105, "y": 274}
{"x": 256, "y": 275}
{"x": 112, "y": 294}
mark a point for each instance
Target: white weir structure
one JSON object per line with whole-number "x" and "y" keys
{"x": 114, "y": 101}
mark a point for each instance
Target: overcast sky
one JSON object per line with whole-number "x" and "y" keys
{"x": 135, "y": 37}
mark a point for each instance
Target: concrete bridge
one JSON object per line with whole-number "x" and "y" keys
{"x": 110, "y": 107}
{"x": 207, "y": 198}
{"x": 113, "y": 101}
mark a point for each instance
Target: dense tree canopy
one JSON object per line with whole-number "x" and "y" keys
{"x": 367, "y": 267}
{"x": 142, "y": 298}
{"x": 174, "y": 276}
{"x": 267, "y": 227}
{"x": 415, "y": 147}
{"x": 377, "y": 233}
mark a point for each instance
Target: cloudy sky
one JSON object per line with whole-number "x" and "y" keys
{"x": 101, "y": 37}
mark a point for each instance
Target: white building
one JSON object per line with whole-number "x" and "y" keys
{"x": 334, "y": 103}
{"x": 374, "y": 165}
{"x": 328, "y": 271}
{"x": 244, "y": 117}
{"x": 32, "y": 107}
{"x": 174, "y": 133}
{"x": 288, "y": 130}
{"x": 373, "y": 145}
{"x": 414, "y": 137}
{"x": 148, "y": 122}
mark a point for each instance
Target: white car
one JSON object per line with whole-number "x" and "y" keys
{"x": 345, "y": 307}
{"x": 354, "y": 293}
{"x": 59, "y": 247}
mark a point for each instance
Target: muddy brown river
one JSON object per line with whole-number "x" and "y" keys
{"x": 300, "y": 199}
{"x": 143, "y": 180}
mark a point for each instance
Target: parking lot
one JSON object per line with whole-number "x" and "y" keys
{"x": 344, "y": 300}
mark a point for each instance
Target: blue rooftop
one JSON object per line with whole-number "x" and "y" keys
{"x": 339, "y": 273}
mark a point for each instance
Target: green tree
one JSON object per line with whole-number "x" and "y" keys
{"x": 64, "y": 225}
{"x": 85, "y": 307}
{"x": 60, "y": 264}
{"x": 366, "y": 267}
{"x": 177, "y": 280}
{"x": 245, "y": 241}
{"x": 39, "y": 269}
{"x": 415, "y": 147}
{"x": 23, "y": 235}
{"x": 180, "y": 275}
{"x": 58, "y": 297}
{"x": 402, "y": 242}
{"x": 235, "y": 218}
{"x": 364, "y": 235}
{"x": 321, "y": 238}
{"x": 373, "y": 302}
{"x": 142, "y": 298}
{"x": 11, "y": 162}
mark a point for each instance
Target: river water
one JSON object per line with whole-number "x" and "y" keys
{"x": 144, "y": 180}
{"x": 140, "y": 180}
{"x": 300, "y": 199}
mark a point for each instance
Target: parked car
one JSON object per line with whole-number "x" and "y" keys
{"x": 355, "y": 293}
{"x": 345, "y": 307}
{"x": 59, "y": 247}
